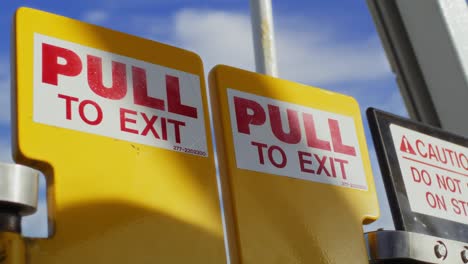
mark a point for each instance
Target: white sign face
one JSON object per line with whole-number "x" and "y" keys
{"x": 290, "y": 140}
{"x": 97, "y": 92}
{"x": 435, "y": 174}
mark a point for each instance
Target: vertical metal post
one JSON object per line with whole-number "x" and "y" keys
{"x": 426, "y": 42}
{"x": 263, "y": 36}
{"x": 12, "y": 248}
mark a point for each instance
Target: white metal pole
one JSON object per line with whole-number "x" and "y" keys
{"x": 263, "y": 36}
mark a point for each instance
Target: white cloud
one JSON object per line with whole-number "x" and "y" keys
{"x": 219, "y": 37}
{"x": 305, "y": 54}
{"x": 306, "y": 60}
{"x": 156, "y": 27}
{"x": 95, "y": 16}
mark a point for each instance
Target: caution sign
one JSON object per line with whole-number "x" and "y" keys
{"x": 435, "y": 173}
{"x": 120, "y": 127}
{"x": 294, "y": 169}
{"x": 285, "y": 139}
{"x": 431, "y": 171}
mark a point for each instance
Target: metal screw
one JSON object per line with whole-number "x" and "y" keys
{"x": 440, "y": 250}
{"x": 464, "y": 256}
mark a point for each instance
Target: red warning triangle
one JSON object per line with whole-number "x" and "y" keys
{"x": 406, "y": 147}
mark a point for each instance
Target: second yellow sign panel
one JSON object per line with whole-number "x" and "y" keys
{"x": 295, "y": 170}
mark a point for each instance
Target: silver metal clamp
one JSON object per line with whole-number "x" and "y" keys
{"x": 402, "y": 246}
{"x": 18, "y": 195}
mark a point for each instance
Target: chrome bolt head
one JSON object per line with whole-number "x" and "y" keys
{"x": 440, "y": 250}
{"x": 464, "y": 255}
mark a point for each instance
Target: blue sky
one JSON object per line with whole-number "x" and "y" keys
{"x": 330, "y": 44}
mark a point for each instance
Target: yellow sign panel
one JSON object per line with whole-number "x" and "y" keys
{"x": 295, "y": 170}
{"x": 120, "y": 127}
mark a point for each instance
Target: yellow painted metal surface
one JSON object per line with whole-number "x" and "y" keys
{"x": 124, "y": 186}
{"x": 12, "y": 248}
{"x": 278, "y": 211}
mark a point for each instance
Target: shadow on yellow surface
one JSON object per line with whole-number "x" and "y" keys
{"x": 118, "y": 232}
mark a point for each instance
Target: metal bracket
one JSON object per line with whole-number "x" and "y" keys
{"x": 18, "y": 195}
{"x": 19, "y": 186}
{"x": 408, "y": 247}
